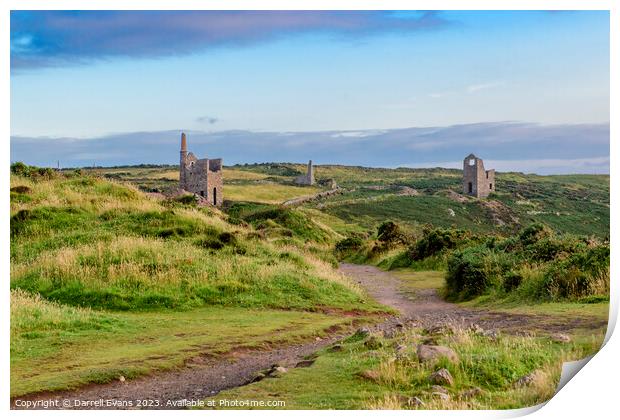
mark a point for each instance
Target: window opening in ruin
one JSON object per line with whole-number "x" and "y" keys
{"x": 202, "y": 193}
{"x": 470, "y": 187}
{"x": 215, "y": 196}
{"x": 472, "y": 162}
{"x": 490, "y": 186}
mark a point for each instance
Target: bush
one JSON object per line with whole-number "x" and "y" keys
{"x": 349, "y": 244}
{"x": 582, "y": 274}
{"x": 390, "y": 233}
{"x": 435, "y": 241}
{"x": 471, "y": 272}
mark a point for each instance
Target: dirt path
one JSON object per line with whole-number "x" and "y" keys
{"x": 204, "y": 379}
{"x": 168, "y": 390}
{"x": 427, "y": 309}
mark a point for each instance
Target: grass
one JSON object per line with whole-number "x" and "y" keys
{"x": 420, "y": 279}
{"x": 89, "y": 242}
{"x": 266, "y": 193}
{"x": 358, "y": 377}
{"x": 56, "y": 347}
{"x": 598, "y": 310}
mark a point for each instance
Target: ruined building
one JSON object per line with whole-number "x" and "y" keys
{"x": 476, "y": 181}
{"x": 201, "y": 176}
{"x": 308, "y": 178}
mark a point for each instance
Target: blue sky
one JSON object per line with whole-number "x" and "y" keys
{"x": 125, "y": 80}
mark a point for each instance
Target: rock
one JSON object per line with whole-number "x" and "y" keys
{"x": 121, "y": 378}
{"x": 439, "y": 388}
{"x": 470, "y": 393}
{"x": 276, "y": 371}
{"x": 476, "y": 329}
{"x": 373, "y": 343}
{"x": 560, "y": 338}
{"x": 336, "y": 347}
{"x": 318, "y": 339}
{"x": 304, "y": 363}
{"x": 441, "y": 377}
{"x": 370, "y": 375}
{"x": 415, "y": 402}
{"x": 441, "y": 395}
{"x": 451, "y": 212}
{"x": 428, "y": 353}
{"x": 401, "y": 348}
{"x": 363, "y": 332}
{"x": 492, "y": 334}
{"x": 528, "y": 379}
{"x": 258, "y": 377}
{"x": 441, "y": 329}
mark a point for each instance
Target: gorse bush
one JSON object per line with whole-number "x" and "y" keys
{"x": 437, "y": 240}
{"x": 536, "y": 264}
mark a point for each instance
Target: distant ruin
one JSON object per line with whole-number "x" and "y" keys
{"x": 477, "y": 182}
{"x": 202, "y": 177}
{"x": 308, "y": 178}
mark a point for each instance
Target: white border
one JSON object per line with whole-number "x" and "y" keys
{"x": 593, "y": 394}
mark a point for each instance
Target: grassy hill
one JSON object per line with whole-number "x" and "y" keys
{"x": 576, "y": 204}
{"x": 98, "y": 264}
{"x": 105, "y": 272}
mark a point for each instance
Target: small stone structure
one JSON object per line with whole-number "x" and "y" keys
{"x": 202, "y": 177}
{"x": 476, "y": 181}
{"x": 308, "y": 178}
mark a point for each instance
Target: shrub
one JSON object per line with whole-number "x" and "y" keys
{"x": 471, "y": 272}
{"x": 349, "y": 244}
{"x": 435, "y": 241}
{"x": 582, "y": 274}
{"x": 390, "y": 233}
{"x": 534, "y": 233}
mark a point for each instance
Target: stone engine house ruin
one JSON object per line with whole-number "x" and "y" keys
{"x": 476, "y": 181}
{"x": 202, "y": 177}
{"x": 308, "y": 178}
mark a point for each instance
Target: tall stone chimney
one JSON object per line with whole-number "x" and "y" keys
{"x": 182, "y": 180}
{"x": 310, "y": 173}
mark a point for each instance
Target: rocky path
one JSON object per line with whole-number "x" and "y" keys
{"x": 197, "y": 381}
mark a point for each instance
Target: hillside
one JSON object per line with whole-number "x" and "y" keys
{"x": 111, "y": 280}
{"x": 576, "y": 204}
{"x": 97, "y": 263}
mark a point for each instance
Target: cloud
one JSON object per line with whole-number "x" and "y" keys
{"x": 207, "y": 119}
{"x": 57, "y": 38}
{"x": 515, "y": 146}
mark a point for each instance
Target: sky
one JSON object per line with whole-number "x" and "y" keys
{"x": 524, "y": 90}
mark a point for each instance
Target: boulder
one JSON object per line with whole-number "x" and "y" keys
{"x": 528, "y": 379}
{"x": 428, "y": 353}
{"x": 441, "y": 377}
{"x": 441, "y": 395}
{"x": 470, "y": 393}
{"x": 439, "y": 388}
{"x": 560, "y": 338}
{"x": 415, "y": 402}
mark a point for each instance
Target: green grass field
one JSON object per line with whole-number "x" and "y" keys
{"x": 56, "y": 347}
{"x": 104, "y": 276}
